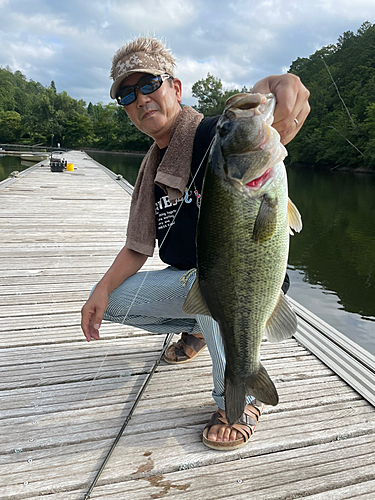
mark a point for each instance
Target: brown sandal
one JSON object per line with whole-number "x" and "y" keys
{"x": 245, "y": 426}
{"x": 185, "y": 349}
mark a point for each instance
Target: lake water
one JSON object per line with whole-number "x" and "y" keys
{"x": 332, "y": 260}
{"x": 10, "y": 163}
{"x": 126, "y": 165}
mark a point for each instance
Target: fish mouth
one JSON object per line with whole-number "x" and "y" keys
{"x": 243, "y": 101}
{"x": 247, "y": 105}
{"x": 260, "y": 181}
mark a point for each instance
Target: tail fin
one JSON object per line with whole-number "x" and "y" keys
{"x": 235, "y": 401}
{"x": 259, "y": 385}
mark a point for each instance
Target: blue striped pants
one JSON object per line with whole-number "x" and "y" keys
{"x": 153, "y": 300}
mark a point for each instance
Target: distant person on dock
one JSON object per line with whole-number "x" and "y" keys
{"x": 170, "y": 181}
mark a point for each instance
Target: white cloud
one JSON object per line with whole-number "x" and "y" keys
{"x": 153, "y": 15}
{"x": 347, "y": 8}
{"x": 239, "y": 41}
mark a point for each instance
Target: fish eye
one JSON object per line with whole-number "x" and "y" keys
{"x": 225, "y": 128}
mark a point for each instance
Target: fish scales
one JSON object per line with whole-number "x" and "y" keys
{"x": 242, "y": 246}
{"x": 237, "y": 276}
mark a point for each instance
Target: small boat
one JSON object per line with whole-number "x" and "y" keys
{"x": 35, "y": 157}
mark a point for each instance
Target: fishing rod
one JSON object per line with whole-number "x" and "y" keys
{"x": 130, "y": 414}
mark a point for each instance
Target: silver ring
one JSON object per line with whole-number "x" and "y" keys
{"x": 296, "y": 121}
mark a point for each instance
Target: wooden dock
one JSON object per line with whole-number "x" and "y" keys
{"x": 63, "y": 400}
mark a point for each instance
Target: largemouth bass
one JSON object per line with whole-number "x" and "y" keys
{"x": 242, "y": 245}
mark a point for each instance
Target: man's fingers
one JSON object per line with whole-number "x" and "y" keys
{"x": 94, "y": 333}
{"x": 88, "y": 314}
{"x": 291, "y": 103}
{"x": 92, "y": 315}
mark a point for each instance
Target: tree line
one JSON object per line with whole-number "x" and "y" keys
{"x": 339, "y": 132}
{"x": 31, "y": 113}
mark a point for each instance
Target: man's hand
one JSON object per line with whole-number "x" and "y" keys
{"x": 92, "y": 314}
{"x": 292, "y": 106}
{"x": 127, "y": 263}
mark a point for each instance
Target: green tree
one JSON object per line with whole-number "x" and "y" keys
{"x": 211, "y": 95}
{"x": 341, "y": 80}
{"x": 10, "y": 126}
{"x": 104, "y": 126}
{"x": 53, "y": 87}
{"x": 7, "y": 102}
{"x": 78, "y": 130}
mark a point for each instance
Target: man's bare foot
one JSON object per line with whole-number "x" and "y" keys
{"x": 223, "y": 433}
{"x": 219, "y": 436}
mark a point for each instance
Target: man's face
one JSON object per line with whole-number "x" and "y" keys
{"x": 154, "y": 114}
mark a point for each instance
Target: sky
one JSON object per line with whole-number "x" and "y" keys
{"x": 240, "y": 42}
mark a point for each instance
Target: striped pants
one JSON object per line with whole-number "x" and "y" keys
{"x": 153, "y": 300}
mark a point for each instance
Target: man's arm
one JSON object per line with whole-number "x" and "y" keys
{"x": 126, "y": 264}
{"x": 291, "y": 103}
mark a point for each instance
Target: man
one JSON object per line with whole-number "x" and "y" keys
{"x": 165, "y": 207}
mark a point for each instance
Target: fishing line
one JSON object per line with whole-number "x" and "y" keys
{"x": 165, "y": 345}
{"x": 190, "y": 185}
{"x": 110, "y": 347}
{"x": 338, "y": 93}
{"x": 346, "y": 109}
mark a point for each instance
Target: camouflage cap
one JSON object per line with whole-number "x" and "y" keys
{"x": 139, "y": 62}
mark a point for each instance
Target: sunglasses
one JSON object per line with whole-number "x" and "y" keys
{"x": 147, "y": 85}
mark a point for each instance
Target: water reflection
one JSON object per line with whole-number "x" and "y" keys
{"x": 332, "y": 260}
{"x": 125, "y": 164}
{"x": 8, "y": 164}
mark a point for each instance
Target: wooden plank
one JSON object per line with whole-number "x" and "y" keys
{"x": 361, "y": 491}
{"x": 292, "y": 473}
{"x": 108, "y": 391}
{"x": 45, "y": 298}
{"x": 298, "y": 428}
{"x": 299, "y": 469}
{"x": 62, "y": 401}
{"x": 50, "y": 364}
{"x": 32, "y": 355}
{"x": 59, "y": 334}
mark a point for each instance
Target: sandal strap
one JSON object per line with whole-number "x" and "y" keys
{"x": 251, "y": 414}
{"x": 193, "y": 342}
{"x": 217, "y": 418}
{"x": 188, "y": 346}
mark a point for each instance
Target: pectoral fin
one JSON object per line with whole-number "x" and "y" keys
{"x": 294, "y": 218}
{"x": 283, "y": 322}
{"x": 194, "y": 303}
{"x": 265, "y": 223}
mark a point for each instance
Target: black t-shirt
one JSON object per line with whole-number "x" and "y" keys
{"x": 177, "y": 246}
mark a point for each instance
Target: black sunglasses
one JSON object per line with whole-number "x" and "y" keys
{"x": 147, "y": 85}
